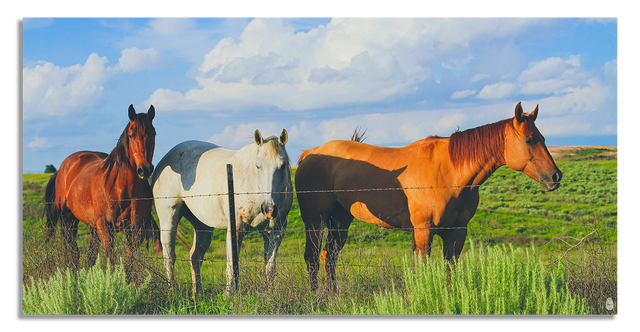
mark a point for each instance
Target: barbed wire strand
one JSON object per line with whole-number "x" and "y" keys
{"x": 296, "y": 192}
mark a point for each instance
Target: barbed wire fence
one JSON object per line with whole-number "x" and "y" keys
{"x": 366, "y": 260}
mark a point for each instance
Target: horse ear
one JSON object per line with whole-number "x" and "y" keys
{"x": 151, "y": 113}
{"x": 533, "y": 115}
{"x": 257, "y": 137}
{"x": 132, "y": 113}
{"x": 519, "y": 112}
{"x": 284, "y": 137}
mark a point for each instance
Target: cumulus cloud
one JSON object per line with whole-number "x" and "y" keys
{"x": 344, "y": 62}
{"x": 479, "y": 77}
{"x": 237, "y": 136}
{"x": 450, "y": 121}
{"x": 497, "y": 91}
{"x": 39, "y": 143}
{"x": 134, "y": 59}
{"x": 611, "y": 68}
{"x": 552, "y": 75}
{"x": 462, "y": 94}
{"x": 53, "y": 90}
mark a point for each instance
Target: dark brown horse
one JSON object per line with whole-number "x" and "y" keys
{"x": 429, "y": 187}
{"x": 110, "y": 193}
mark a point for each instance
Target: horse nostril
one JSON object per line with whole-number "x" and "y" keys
{"x": 556, "y": 177}
{"x": 140, "y": 171}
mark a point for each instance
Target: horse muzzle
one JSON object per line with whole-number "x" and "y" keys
{"x": 144, "y": 172}
{"x": 270, "y": 211}
{"x": 551, "y": 183}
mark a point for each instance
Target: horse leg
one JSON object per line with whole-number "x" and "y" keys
{"x": 201, "y": 241}
{"x": 452, "y": 243}
{"x": 134, "y": 239}
{"x": 422, "y": 239}
{"x": 92, "y": 252}
{"x": 314, "y": 210}
{"x": 338, "y": 223}
{"x": 272, "y": 241}
{"x": 107, "y": 236}
{"x": 69, "y": 225}
{"x": 168, "y": 217}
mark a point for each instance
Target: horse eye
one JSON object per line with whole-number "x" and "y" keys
{"x": 529, "y": 140}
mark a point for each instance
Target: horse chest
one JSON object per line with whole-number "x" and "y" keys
{"x": 458, "y": 210}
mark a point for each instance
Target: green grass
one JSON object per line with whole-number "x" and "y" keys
{"x": 94, "y": 291}
{"x": 516, "y": 215}
{"x": 487, "y": 281}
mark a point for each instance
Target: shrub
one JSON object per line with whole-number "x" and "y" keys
{"x": 487, "y": 281}
{"x": 95, "y": 291}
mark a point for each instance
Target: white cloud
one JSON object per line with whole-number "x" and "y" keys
{"x": 347, "y": 61}
{"x": 564, "y": 126}
{"x": 588, "y": 98}
{"x": 479, "y": 77}
{"x": 497, "y": 91}
{"x": 39, "y": 143}
{"x": 553, "y": 75}
{"x": 411, "y": 131}
{"x": 462, "y": 94}
{"x": 51, "y": 90}
{"x": 451, "y": 121}
{"x": 134, "y": 59}
{"x": 168, "y": 26}
{"x": 611, "y": 68}
{"x": 543, "y": 70}
{"x": 609, "y": 129}
{"x": 545, "y": 86}
{"x": 237, "y": 136}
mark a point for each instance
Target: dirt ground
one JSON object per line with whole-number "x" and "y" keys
{"x": 557, "y": 152}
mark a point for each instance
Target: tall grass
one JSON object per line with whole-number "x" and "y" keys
{"x": 95, "y": 291}
{"x": 487, "y": 281}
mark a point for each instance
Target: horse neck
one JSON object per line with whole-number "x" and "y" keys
{"x": 477, "y": 153}
{"x": 119, "y": 161}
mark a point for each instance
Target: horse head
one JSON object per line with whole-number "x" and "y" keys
{"x": 273, "y": 174}
{"x": 525, "y": 150}
{"x": 141, "y": 137}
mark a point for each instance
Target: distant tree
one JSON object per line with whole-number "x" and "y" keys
{"x": 50, "y": 169}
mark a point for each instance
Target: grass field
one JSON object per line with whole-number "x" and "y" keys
{"x": 513, "y": 211}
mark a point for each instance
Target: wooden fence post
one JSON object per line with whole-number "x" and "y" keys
{"x": 232, "y": 226}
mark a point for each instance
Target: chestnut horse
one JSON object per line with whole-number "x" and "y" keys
{"x": 429, "y": 187}
{"x": 110, "y": 193}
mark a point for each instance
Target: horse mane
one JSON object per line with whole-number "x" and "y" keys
{"x": 273, "y": 147}
{"x": 118, "y": 154}
{"x": 477, "y": 145}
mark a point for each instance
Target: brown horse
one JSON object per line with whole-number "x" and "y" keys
{"x": 110, "y": 193}
{"x": 338, "y": 180}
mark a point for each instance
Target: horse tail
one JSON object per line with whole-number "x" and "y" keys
{"x": 50, "y": 207}
{"x": 357, "y": 136}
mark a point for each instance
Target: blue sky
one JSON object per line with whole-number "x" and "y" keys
{"x": 220, "y": 79}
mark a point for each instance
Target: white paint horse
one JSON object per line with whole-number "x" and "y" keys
{"x": 191, "y": 181}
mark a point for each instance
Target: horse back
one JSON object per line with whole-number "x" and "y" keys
{"x": 363, "y": 179}
{"x": 76, "y": 172}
